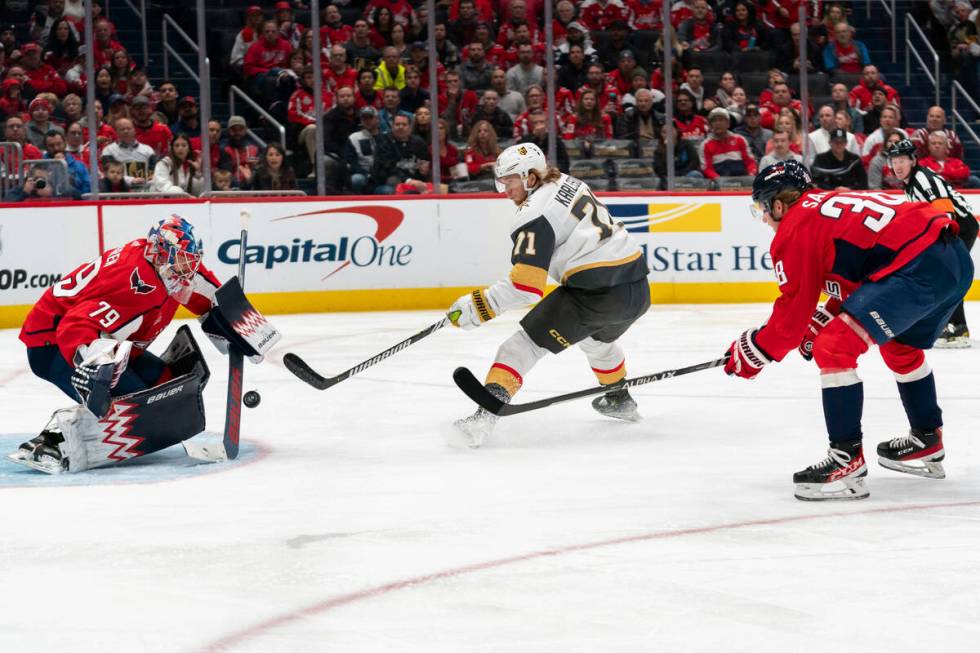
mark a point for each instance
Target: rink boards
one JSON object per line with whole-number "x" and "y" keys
{"x": 372, "y": 253}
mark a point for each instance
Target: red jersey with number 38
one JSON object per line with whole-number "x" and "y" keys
{"x": 119, "y": 295}
{"x": 834, "y": 242}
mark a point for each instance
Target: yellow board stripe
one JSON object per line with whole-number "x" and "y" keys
{"x": 601, "y": 264}
{"x": 411, "y": 299}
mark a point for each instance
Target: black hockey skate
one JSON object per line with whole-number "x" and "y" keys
{"x": 920, "y": 453}
{"x": 954, "y": 336}
{"x": 42, "y": 453}
{"x": 838, "y": 476}
{"x": 475, "y": 428}
{"x": 618, "y": 404}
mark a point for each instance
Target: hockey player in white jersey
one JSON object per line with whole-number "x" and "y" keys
{"x": 561, "y": 230}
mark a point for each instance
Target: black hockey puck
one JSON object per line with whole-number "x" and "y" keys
{"x": 251, "y": 399}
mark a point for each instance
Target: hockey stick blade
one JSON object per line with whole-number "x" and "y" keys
{"x": 476, "y": 391}
{"x": 307, "y": 374}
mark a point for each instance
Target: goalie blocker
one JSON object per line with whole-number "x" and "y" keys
{"x": 136, "y": 424}
{"x": 234, "y": 322}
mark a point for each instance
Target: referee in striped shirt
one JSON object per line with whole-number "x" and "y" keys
{"x": 923, "y": 185}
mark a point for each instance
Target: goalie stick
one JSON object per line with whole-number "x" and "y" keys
{"x": 475, "y": 390}
{"x": 228, "y": 449}
{"x": 307, "y": 374}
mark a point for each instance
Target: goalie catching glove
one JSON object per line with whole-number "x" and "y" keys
{"x": 821, "y": 318}
{"x": 745, "y": 358}
{"x": 98, "y": 367}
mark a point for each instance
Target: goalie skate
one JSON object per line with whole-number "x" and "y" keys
{"x": 617, "y": 404}
{"x": 42, "y": 454}
{"x": 920, "y": 453}
{"x": 839, "y": 476}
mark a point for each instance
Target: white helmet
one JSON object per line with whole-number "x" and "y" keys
{"x": 519, "y": 159}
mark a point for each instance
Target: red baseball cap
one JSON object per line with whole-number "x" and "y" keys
{"x": 254, "y": 9}
{"x": 30, "y": 47}
{"x": 280, "y": 6}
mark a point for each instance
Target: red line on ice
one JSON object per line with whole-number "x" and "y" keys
{"x": 227, "y": 642}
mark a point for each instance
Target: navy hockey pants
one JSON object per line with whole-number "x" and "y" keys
{"x": 913, "y": 305}
{"x": 144, "y": 371}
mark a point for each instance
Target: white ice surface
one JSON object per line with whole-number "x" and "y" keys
{"x": 362, "y": 531}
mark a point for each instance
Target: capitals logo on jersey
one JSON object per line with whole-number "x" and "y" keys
{"x": 137, "y": 284}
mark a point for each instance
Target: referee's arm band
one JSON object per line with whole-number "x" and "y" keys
{"x": 943, "y": 204}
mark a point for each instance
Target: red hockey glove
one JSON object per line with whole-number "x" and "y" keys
{"x": 820, "y": 318}
{"x": 745, "y": 358}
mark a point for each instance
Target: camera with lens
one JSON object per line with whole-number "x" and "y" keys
{"x": 40, "y": 183}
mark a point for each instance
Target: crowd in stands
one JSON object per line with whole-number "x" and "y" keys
{"x": 734, "y": 74}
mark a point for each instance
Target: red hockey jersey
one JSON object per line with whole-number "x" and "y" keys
{"x": 119, "y": 295}
{"x": 833, "y": 242}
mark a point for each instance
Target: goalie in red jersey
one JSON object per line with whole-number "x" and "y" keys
{"x": 89, "y": 334}
{"x": 894, "y": 271}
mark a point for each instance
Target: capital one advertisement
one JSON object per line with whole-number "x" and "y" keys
{"x": 375, "y": 244}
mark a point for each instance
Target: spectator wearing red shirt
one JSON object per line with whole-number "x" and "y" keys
{"x": 105, "y": 45}
{"x": 781, "y": 97}
{"x": 15, "y": 132}
{"x": 597, "y": 83}
{"x": 481, "y": 150}
{"x": 148, "y": 131}
{"x": 11, "y": 102}
{"x": 42, "y": 77}
{"x": 601, "y": 14}
{"x": 493, "y": 53}
{"x": 950, "y": 168}
{"x": 678, "y": 77}
{"x": 780, "y": 14}
{"x": 338, "y": 74}
{"x": 622, "y": 77}
{"x": 334, "y": 31}
{"x": 365, "y": 95}
{"x": 61, "y": 49}
{"x": 844, "y": 54}
{"x": 647, "y": 14}
{"x": 724, "y": 154}
{"x": 534, "y": 101}
{"x": 246, "y": 37}
{"x": 458, "y": 105}
{"x": 588, "y": 122}
{"x": 219, "y": 158}
{"x": 700, "y": 33}
{"x": 936, "y": 121}
{"x": 860, "y": 95}
{"x": 242, "y": 153}
{"x": 401, "y": 11}
{"x": 420, "y": 59}
{"x": 484, "y": 10}
{"x": 688, "y": 123}
{"x": 507, "y": 33}
{"x": 264, "y": 60}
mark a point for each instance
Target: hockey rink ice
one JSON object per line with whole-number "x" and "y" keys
{"x": 351, "y": 525}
